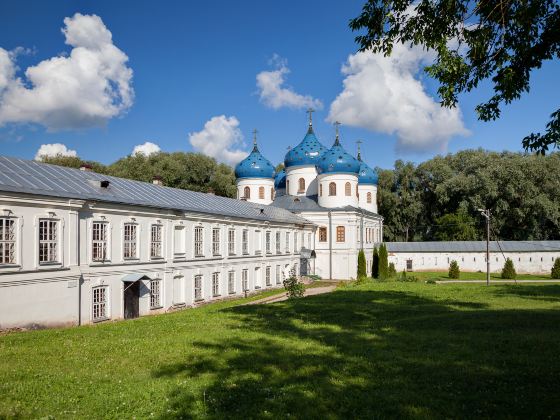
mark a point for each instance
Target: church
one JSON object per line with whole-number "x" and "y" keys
{"x": 79, "y": 247}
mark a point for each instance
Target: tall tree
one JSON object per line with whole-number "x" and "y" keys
{"x": 458, "y": 226}
{"x": 495, "y": 41}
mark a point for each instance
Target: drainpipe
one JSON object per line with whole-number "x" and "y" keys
{"x": 330, "y": 245}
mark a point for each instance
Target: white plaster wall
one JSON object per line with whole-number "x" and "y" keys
{"x": 341, "y": 199}
{"x": 254, "y": 184}
{"x": 363, "y": 190}
{"x": 294, "y": 173}
{"x": 524, "y": 262}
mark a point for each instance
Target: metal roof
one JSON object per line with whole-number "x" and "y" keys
{"x": 301, "y": 203}
{"x": 30, "y": 177}
{"x": 474, "y": 246}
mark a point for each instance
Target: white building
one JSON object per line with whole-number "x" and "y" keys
{"x": 329, "y": 188}
{"x": 527, "y": 256}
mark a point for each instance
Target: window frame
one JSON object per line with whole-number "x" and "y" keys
{"x": 55, "y": 243}
{"x": 348, "y": 189}
{"x": 332, "y": 189}
{"x": 267, "y": 242}
{"x": 245, "y": 280}
{"x": 105, "y": 304}
{"x": 245, "y": 241}
{"x": 197, "y": 284}
{"x": 267, "y": 276}
{"x": 247, "y": 192}
{"x": 278, "y": 243}
{"x": 323, "y": 229}
{"x": 133, "y": 243}
{"x": 261, "y": 193}
{"x": 231, "y": 241}
{"x": 340, "y": 234}
{"x": 216, "y": 241}
{"x": 198, "y": 238}
{"x": 231, "y": 282}
{"x": 287, "y": 243}
{"x": 10, "y": 258}
{"x": 156, "y": 304}
{"x": 216, "y": 284}
{"x": 301, "y": 185}
{"x": 278, "y": 274}
{"x": 157, "y": 242}
{"x": 105, "y": 241}
{"x": 369, "y": 197}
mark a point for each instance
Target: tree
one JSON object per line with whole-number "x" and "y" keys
{"x": 454, "y": 271}
{"x": 458, "y": 226}
{"x": 362, "y": 271}
{"x": 375, "y": 263}
{"x": 555, "y": 272}
{"x": 392, "y": 271}
{"x": 383, "y": 262}
{"x": 508, "y": 272}
{"x": 74, "y": 162}
{"x": 474, "y": 42}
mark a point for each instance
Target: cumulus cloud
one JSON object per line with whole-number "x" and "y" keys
{"x": 219, "y": 139}
{"x": 146, "y": 149}
{"x": 54, "y": 149}
{"x": 385, "y": 94}
{"x": 274, "y": 94}
{"x": 85, "y": 88}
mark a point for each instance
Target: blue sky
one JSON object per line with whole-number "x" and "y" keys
{"x": 193, "y": 61}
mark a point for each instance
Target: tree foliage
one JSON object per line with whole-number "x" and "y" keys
{"x": 375, "y": 263}
{"x": 496, "y": 41}
{"x": 555, "y": 272}
{"x": 383, "y": 262}
{"x": 508, "y": 272}
{"x": 392, "y": 271}
{"x": 458, "y": 226}
{"x": 362, "y": 271}
{"x": 454, "y": 271}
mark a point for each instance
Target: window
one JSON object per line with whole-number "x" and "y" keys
{"x": 278, "y": 242}
{"x": 309, "y": 243}
{"x": 179, "y": 240}
{"x": 155, "y": 241}
{"x": 357, "y": 191}
{"x": 296, "y": 242}
{"x": 215, "y": 284}
{"x": 267, "y": 242}
{"x": 258, "y": 242}
{"x": 247, "y": 192}
{"x": 197, "y": 287}
{"x": 301, "y": 185}
{"x": 231, "y": 241}
{"x": 231, "y": 282}
{"x": 99, "y": 295}
{"x": 287, "y": 187}
{"x": 332, "y": 189}
{"x": 368, "y": 199}
{"x": 340, "y": 234}
{"x": 278, "y": 275}
{"x": 129, "y": 245}
{"x": 408, "y": 265}
{"x": 261, "y": 193}
{"x": 215, "y": 241}
{"x": 48, "y": 241}
{"x": 322, "y": 234}
{"x": 7, "y": 241}
{"x": 155, "y": 294}
{"x": 267, "y": 276}
{"x": 198, "y": 241}
{"x": 245, "y": 241}
{"x": 99, "y": 241}
{"x": 287, "y": 242}
{"x": 272, "y": 193}
{"x": 320, "y": 190}
{"x": 347, "y": 189}
{"x": 245, "y": 280}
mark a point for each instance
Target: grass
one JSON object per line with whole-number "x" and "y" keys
{"x": 472, "y": 275}
{"x": 408, "y": 350}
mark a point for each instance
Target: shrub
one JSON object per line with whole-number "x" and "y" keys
{"x": 293, "y": 287}
{"x": 375, "y": 263}
{"x": 403, "y": 277}
{"x": 555, "y": 273}
{"x": 508, "y": 272}
{"x": 430, "y": 281}
{"x": 392, "y": 271}
{"x": 362, "y": 271}
{"x": 454, "y": 271}
{"x": 383, "y": 263}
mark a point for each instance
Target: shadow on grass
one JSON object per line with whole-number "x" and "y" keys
{"x": 547, "y": 293}
{"x": 363, "y": 354}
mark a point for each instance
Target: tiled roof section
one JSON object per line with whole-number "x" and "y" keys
{"x": 474, "y": 246}
{"x": 29, "y": 177}
{"x": 299, "y": 204}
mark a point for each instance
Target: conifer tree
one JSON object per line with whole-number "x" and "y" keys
{"x": 508, "y": 272}
{"x": 555, "y": 273}
{"x": 361, "y": 265}
{"x": 383, "y": 262}
{"x": 375, "y": 263}
{"x": 454, "y": 271}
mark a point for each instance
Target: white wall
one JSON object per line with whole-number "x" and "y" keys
{"x": 363, "y": 190}
{"x": 254, "y": 184}
{"x": 308, "y": 173}
{"x": 341, "y": 199}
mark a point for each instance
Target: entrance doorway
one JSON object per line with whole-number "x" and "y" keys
{"x": 131, "y": 300}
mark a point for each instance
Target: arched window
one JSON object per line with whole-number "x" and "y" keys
{"x": 322, "y": 234}
{"x": 272, "y": 193}
{"x": 261, "y": 193}
{"x": 320, "y": 190}
{"x": 247, "y": 192}
{"x": 369, "y": 198}
{"x": 357, "y": 191}
{"x": 332, "y": 188}
{"x": 340, "y": 234}
{"x": 301, "y": 185}
{"x": 287, "y": 187}
{"x": 347, "y": 189}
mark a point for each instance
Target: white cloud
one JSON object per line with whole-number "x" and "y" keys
{"x": 54, "y": 149}
{"x": 146, "y": 149}
{"x": 86, "y": 88}
{"x": 218, "y": 139}
{"x": 385, "y": 94}
{"x": 275, "y": 95}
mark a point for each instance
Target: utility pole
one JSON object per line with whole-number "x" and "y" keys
{"x": 486, "y": 214}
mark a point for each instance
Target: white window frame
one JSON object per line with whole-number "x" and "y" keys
{"x": 130, "y": 245}
{"x": 245, "y": 241}
{"x": 216, "y": 284}
{"x": 268, "y": 245}
{"x": 51, "y": 242}
{"x": 295, "y": 242}
{"x": 287, "y": 249}
{"x": 179, "y": 230}
{"x": 9, "y": 258}
{"x": 199, "y": 241}
{"x": 268, "y": 276}
{"x": 278, "y": 274}
{"x": 198, "y": 296}
{"x": 244, "y": 280}
{"x": 278, "y": 242}
{"x": 104, "y": 241}
{"x": 258, "y": 242}
{"x": 156, "y": 241}
{"x": 156, "y": 294}
{"x": 100, "y": 309}
{"x": 216, "y": 241}
{"x": 231, "y": 282}
{"x": 231, "y": 241}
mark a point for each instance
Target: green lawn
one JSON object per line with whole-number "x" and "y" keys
{"x": 373, "y": 350}
{"x": 472, "y": 275}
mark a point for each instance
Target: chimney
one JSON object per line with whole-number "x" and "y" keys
{"x": 156, "y": 180}
{"x": 86, "y": 167}
{"x": 211, "y": 191}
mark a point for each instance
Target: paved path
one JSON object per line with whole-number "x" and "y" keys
{"x": 308, "y": 292}
{"x": 496, "y": 281}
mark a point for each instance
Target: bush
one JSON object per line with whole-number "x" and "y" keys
{"x": 403, "y": 277}
{"x": 508, "y": 272}
{"x": 431, "y": 281}
{"x": 555, "y": 273}
{"x": 392, "y": 271}
{"x": 375, "y": 263}
{"x": 362, "y": 271}
{"x": 383, "y": 263}
{"x": 293, "y": 287}
{"x": 454, "y": 271}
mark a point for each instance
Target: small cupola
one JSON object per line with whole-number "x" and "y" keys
{"x": 337, "y": 160}
{"x": 255, "y": 165}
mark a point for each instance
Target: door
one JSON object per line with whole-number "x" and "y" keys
{"x": 408, "y": 265}
{"x": 131, "y": 300}
{"x": 304, "y": 264}
{"x": 178, "y": 290}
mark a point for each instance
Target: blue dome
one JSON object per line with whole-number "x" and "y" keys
{"x": 280, "y": 180}
{"x": 308, "y": 152}
{"x": 254, "y": 166}
{"x": 337, "y": 160}
{"x": 367, "y": 176}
